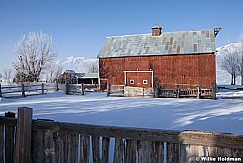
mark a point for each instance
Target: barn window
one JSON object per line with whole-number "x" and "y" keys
{"x": 145, "y": 81}
{"x": 131, "y": 81}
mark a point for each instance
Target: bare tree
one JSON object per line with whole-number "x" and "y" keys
{"x": 7, "y": 74}
{"x": 229, "y": 63}
{"x": 54, "y": 73}
{"x": 93, "y": 67}
{"x": 240, "y": 55}
{"x": 35, "y": 53}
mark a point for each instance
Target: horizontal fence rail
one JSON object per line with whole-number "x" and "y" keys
{"x": 30, "y": 89}
{"x": 26, "y": 89}
{"x": 70, "y": 142}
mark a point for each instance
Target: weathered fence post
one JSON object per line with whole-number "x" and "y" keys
{"x": 1, "y": 90}
{"x": 96, "y": 148}
{"x": 214, "y": 88}
{"x": 143, "y": 91}
{"x": 105, "y": 149}
{"x": 1, "y": 143}
{"x": 198, "y": 91}
{"x": 82, "y": 88}
{"x": 9, "y": 140}
{"x": 119, "y": 150}
{"x": 42, "y": 88}
{"x": 172, "y": 152}
{"x": 67, "y": 88}
{"x": 156, "y": 90}
{"x": 23, "y": 135}
{"x": 66, "y": 84}
{"x": 57, "y": 89}
{"x": 108, "y": 88}
{"x": 177, "y": 91}
{"x": 23, "y": 91}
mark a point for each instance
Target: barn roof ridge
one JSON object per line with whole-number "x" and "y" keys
{"x": 182, "y": 31}
{"x": 168, "y": 43}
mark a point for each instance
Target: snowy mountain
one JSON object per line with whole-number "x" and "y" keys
{"x": 233, "y": 47}
{"x": 222, "y": 76}
{"x": 78, "y": 64}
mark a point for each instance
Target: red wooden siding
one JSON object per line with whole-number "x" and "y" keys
{"x": 176, "y": 69}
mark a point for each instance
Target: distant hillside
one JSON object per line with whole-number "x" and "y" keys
{"x": 79, "y": 64}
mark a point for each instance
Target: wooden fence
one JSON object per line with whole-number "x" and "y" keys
{"x": 162, "y": 90}
{"x": 184, "y": 90}
{"x": 115, "y": 90}
{"x": 25, "y": 140}
{"x": 75, "y": 89}
{"x": 26, "y": 89}
{"x": 138, "y": 92}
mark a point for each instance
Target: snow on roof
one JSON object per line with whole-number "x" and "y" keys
{"x": 70, "y": 72}
{"x": 83, "y": 75}
{"x": 90, "y": 75}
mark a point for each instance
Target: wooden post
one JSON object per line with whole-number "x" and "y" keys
{"x": 9, "y": 140}
{"x": 105, "y": 149}
{"x": 23, "y": 91}
{"x": 1, "y": 90}
{"x": 157, "y": 154}
{"x": 82, "y": 88}
{"x": 214, "y": 87}
{"x": 96, "y": 148}
{"x": 85, "y": 148}
{"x": 2, "y": 143}
{"x": 67, "y": 88}
{"x": 130, "y": 151}
{"x": 143, "y": 91}
{"x": 172, "y": 152}
{"x": 57, "y": 89}
{"x": 108, "y": 88}
{"x": 177, "y": 91}
{"x": 23, "y": 136}
{"x": 156, "y": 90}
{"x": 42, "y": 88}
{"x": 66, "y": 84}
{"x": 189, "y": 152}
{"x": 145, "y": 152}
{"x": 99, "y": 84}
{"x": 198, "y": 91}
{"x": 118, "y": 150}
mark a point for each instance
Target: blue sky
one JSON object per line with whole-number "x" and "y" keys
{"x": 79, "y": 27}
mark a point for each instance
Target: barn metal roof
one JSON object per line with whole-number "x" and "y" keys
{"x": 168, "y": 43}
{"x": 90, "y": 75}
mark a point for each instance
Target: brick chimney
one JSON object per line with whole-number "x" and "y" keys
{"x": 156, "y": 30}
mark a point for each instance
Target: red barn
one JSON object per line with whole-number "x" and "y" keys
{"x": 184, "y": 57}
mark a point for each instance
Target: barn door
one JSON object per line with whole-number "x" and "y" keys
{"x": 138, "y": 78}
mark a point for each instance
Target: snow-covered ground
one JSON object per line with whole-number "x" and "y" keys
{"x": 221, "y": 115}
